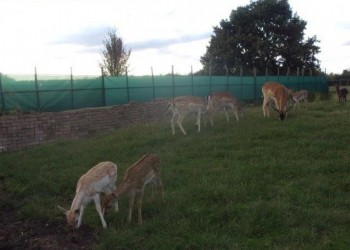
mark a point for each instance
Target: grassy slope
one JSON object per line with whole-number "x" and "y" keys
{"x": 259, "y": 183}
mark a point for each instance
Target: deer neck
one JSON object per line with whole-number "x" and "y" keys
{"x": 77, "y": 201}
{"x": 123, "y": 188}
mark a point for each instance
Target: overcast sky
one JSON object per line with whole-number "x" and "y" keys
{"x": 55, "y": 35}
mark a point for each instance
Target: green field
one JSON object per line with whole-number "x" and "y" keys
{"x": 257, "y": 184}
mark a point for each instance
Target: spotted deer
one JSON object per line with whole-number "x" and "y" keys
{"x": 301, "y": 95}
{"x": 279, "y": 94}
{"x": 145, "y": 171}
{"x": 98, "y": 180}
{"x": 218, "y": 101}
{"x": 342, "y": 93}
{"x": 183, "y": 105}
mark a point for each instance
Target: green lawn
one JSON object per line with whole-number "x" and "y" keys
{"x": 257, "y": 184}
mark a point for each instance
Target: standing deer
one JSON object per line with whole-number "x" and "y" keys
{"x": 223, "y": 100}
{"x": 98, "y": 180}
{"x": 183, "y": 105}
{"x": 342, "y": 93}
{"x": 145, "y": 170}
{"x": 301, "y": 95}
{"x": 277, "y": 93}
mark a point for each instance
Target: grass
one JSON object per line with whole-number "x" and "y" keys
{"x": 257, "y": 184}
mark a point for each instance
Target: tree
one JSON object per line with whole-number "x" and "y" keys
{"x": 263, "y": 34}
{"x": 115, "y": 55}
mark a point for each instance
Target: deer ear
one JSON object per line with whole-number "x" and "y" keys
{"x": 63, "y": 210}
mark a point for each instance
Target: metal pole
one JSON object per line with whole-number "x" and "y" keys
{"x": 173, "y": 78}
{"x": 36, "y": 90}
{"x": 226, "y": 78}
{"x": 127, "y": 85}
{"x": 103, "y": 88}
{"x": 71, "y": 89}
{"x": 192, "y": 80}
{"x": 241, "y": 79}
{"x": 210, "y": 78}
{"x": 254, "y": 70}
{"x": 2, "y": 94}
{"x": 154, "y": 93}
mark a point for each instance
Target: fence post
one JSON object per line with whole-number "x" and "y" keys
{"x": 2, "y": 95}
{"x": 192, "y": 80}
{"x": 153, "y": 88}
{"x": 210, "y": 78}
{"x": 241, "y": 81}
{"x": 103, "y": 87}
{"x": 36, "y": 90}
{"x": 71, "y": 89}
{"x": 255, "y": 101}
{"x": 303, "y": 74}
{"x": 298, "y": 78}
{"x": 226, "y": 69}
{"x": 127, "y": 85}
{"x": 173, "y": 78}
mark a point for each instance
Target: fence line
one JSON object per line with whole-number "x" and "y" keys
{"x": 75, "y": 92}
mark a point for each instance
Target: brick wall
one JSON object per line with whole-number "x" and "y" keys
{"x": 26, "y": 130}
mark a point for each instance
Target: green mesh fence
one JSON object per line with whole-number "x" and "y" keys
{"x": 58, "y": 93}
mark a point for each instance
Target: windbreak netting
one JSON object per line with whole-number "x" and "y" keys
{"x": 58, "y": 93}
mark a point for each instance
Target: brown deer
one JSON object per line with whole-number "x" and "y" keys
{"x": 183, "y": 105}
{"x": 146, "y": 170}
{"x": 223, "y": 100}
{"x": 301, "y": 95}
{"x": 98, "y": 180}
{"x": 342, "y": 93}
{"x": 279, "y": 94}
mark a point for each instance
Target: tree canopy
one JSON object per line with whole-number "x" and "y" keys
{"x": 264, "y": 34}
{"x": 115, "y": 55}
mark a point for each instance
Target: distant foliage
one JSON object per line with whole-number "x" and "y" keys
{"x": 115, "y": 55}
{"x": 264, "y": 34}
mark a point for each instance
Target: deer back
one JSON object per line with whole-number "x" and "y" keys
{"x": 140, "y": 173}
{"x": 98, "y": 178}
{"x": 277, "y": 92}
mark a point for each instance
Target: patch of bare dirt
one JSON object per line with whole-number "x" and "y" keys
{"x": 37, "y": 234}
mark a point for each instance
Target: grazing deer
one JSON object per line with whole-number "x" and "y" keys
{"x": 145, "y": 170}
{"x": 277, "y": 93}
{"x": 301, "y": 95}
{"x": 98, "y": 180}
{"x": 183, "y": 105}
{"x": 342, "y": 93}
{"x": 223, "y": 100}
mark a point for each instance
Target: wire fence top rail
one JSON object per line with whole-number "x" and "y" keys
{"x": 59, "y": 93}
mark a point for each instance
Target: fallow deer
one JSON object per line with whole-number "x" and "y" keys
{"x": 277, "y": 93}
{"x": 301, "y": 95}
{"x": 183, "y": 105}
{"x": 98, "y": 180}
{"x": 342, "y": 93}
{"x": 146, "y": 170}
{"x": 223, "y": 100}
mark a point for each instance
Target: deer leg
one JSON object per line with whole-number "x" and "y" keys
{"x": 173, "y": 123}
{"x": 160, "y": 187}
{"x": 227, "y": 119}
{"x": 139, "y": 198}
{"x": 266, "y": 111}
{"x": 131, "y": 203}
{"x": 199, "y": 120}
{"x": 81, "y": 213}
{"x": 179, "y": 123}
{"x": 99, "y": 210}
